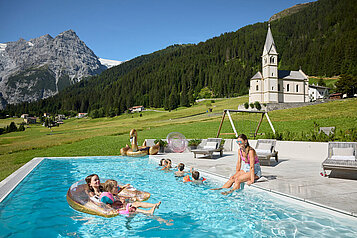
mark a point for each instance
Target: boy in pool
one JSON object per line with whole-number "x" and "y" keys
{"x": 162, "y": 162}
{"x": 195, "y": 177}
{"x": 111, "y": 197}
{"x": 180, "y": 172}
{"x": 167, "y": 165}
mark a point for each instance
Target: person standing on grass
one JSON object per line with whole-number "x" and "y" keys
{"x": 247, "y": 168}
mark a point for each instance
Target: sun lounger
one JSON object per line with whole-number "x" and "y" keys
{"x": 265, "y": 149}
{"x": 207, "y": 147}
{"x": 341, "y": 156}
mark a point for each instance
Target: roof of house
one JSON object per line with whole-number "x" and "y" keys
{"x": 317, "y": 86}
{"x": 287, "y": 74}
{"x": 258, "y": 75}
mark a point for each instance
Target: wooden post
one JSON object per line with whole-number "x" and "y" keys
{"x": 260, "y": 122}
{"x": 220, "y": 126}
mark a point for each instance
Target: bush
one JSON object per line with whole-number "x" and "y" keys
{"x": 257, "y": 105}
{"x": 246, "y": 105}
{"x": 21, "y": 127}
{"x": 194, "y": 142}
{"x": 251, "y": 105}
{"x": 161, "y": 142}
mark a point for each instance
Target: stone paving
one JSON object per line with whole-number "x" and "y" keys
{"x": 291, "y": 177}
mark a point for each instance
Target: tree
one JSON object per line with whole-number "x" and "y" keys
{"x": 347, "y": 84}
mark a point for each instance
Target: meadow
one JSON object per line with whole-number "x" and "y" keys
{"x": 105, "y": 136}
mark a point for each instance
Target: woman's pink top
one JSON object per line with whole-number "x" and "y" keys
{"x": 248, "y": 162}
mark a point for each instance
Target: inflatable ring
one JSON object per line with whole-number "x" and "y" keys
{"x": 78, "y": 199}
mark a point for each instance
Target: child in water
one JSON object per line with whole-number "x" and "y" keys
{"x": 110, "y": 196}
{"x": 167, "y": 165}
{"x": 180, "y": 172}
{"x": 195, "y": 177}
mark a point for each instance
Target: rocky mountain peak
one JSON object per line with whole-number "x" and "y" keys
{"x": 41, "y": 67}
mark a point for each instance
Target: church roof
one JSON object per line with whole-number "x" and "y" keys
{"x": 269, "y": 46}
{"x": 287, "y": 74}
{"x": 258, "y": 75}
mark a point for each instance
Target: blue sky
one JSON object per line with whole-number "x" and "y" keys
{"x": 124, "y": 29}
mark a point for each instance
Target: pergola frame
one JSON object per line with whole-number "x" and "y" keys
{"x": 227, "y": 111}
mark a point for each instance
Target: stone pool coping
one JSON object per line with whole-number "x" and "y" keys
{"x": 10, "y": 183}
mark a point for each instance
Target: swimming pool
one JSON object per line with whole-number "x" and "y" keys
{"x": 38, "y": 207}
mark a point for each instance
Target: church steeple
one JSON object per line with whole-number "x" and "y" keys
{"x": 269, "y": 46}
{"x": 270, "y": 69}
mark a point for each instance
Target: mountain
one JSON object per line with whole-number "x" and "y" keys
{"x": 321, "y": 38}
{"x": 41, "y": 67}
{"x": 289, "y": 11}
{"x": 109, "y": 63}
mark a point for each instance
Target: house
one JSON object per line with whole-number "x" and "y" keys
{"x": 60, "y": 117}
{"x": 30, "y": 120}
{"x": 336, "y": 96}
{"x": 82, "y": 114}
{"x": 317, "y": 92}
{"x": 136, "y": 109}
{"x": 24, "y": 116}
{"x": 277, "y": 86}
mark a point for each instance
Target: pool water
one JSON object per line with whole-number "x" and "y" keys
{"x": 38, "y": 206}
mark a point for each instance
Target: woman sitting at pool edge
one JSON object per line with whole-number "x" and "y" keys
{"x": 247, "y": 168}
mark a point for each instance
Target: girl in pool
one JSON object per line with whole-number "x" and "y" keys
{"x": 247, "y": 168}
{"x": 110, "y": 196}
{"x": 94, "y": 187}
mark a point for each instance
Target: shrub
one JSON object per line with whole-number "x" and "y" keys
{"x": 194, "y": 142}
{"x": 257, "y": 105}
{"x": 161, "y": 142}
{"x": 246, "y": 105}
{"x": 21, "y": 127}
{"x": 251, "y": 105}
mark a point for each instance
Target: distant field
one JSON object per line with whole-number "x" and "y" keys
{"x": 105, "y": 136}
{"x": 330, "y": 82}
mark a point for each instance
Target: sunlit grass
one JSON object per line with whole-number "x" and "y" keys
{"x": 105, "y": 136}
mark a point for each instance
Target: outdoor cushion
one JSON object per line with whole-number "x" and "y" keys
{"x": 210, "y": 146}
{"x": 343, "y": 151}
{"x": 340, "y": 157}
{"x": 265, "y": 146}
{"x": 259, "y": 151}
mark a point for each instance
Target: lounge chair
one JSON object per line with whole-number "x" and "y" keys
{"x": 341, "y": 156}
{"x": 265, "y": 149}
{"x": 207, "y": 147}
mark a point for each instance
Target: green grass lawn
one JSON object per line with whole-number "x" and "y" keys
{"x": 105, "y": 136}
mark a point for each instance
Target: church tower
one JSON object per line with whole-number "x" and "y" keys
{"x": 270, "y": 70}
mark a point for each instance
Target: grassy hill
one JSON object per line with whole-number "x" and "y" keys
{"x": 105, "y": 136}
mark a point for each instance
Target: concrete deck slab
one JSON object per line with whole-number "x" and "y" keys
{"x": 297, "y": 177}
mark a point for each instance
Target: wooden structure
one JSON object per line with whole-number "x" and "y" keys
{"x": 227, "y": 111}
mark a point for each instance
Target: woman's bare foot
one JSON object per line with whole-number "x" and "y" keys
{"x": 227, "y": 192}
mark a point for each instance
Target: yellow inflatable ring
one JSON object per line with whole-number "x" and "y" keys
{"x": 78, "y": 199}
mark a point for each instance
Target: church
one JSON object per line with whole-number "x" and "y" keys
{"x": 277, "y": 86}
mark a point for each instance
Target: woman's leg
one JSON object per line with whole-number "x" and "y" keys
{"x": 230, "y": 182}
{"x": 245, "y": 176}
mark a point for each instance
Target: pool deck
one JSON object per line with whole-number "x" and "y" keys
{"x": 290, "y": 177}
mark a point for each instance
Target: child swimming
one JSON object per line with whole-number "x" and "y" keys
{"x": 180, "y": 172}
{"x": 195, "y": 177}
{"x": 110, "y": 196}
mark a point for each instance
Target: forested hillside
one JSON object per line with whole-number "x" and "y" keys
{"x": 321, "y": 38}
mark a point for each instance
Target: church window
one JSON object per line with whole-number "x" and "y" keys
{"x": 297, "y": 88}
{"x": 272, "y": 59}
{"x": 287, "y": 88}
{"x": 257, "y": 87}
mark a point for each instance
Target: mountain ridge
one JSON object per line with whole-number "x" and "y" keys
{"x": 65, "y": 58}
